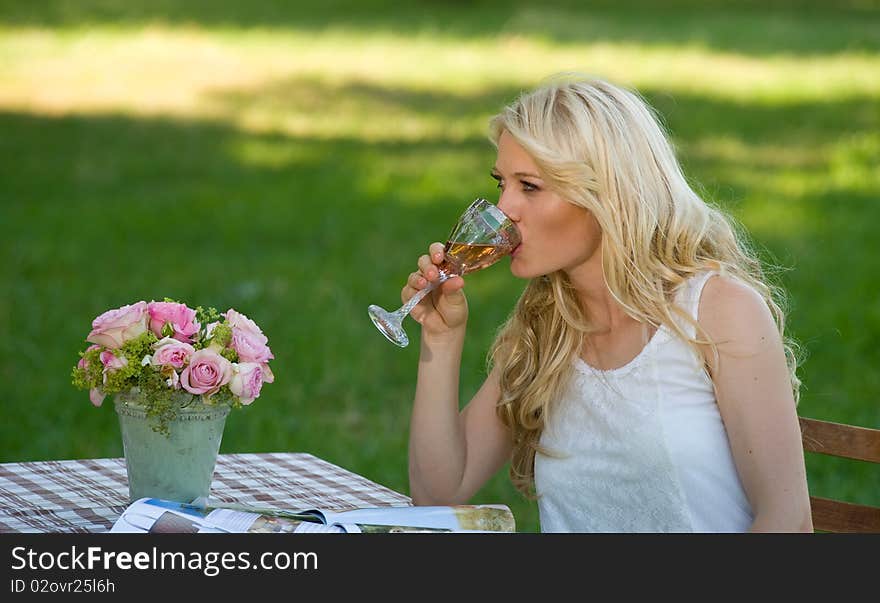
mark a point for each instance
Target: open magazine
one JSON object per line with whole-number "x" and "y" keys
{"x": 154, "y": 516}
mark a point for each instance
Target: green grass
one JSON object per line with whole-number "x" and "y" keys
{"x": 294, "y": 163}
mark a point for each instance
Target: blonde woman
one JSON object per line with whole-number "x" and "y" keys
{"x": 643, "y": 381}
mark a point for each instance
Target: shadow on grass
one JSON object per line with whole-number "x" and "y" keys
{"x": 363, "y": 101}
{"x": 749, "y": 27}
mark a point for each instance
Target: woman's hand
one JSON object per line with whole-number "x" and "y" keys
{"x": 444, "y": 310}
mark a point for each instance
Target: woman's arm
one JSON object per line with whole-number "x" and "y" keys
{"x": 451, "y": 453}
{"x": 754, "y": 394}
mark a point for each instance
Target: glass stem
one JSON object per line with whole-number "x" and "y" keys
{"x": 415, "y": 299}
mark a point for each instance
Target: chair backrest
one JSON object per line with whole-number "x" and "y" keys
{"x": 846, "y": 441}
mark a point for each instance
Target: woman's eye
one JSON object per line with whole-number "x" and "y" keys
{"x": 528, "y": 186}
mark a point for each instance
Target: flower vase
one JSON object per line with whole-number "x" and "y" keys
{"x": 177, "y": 465}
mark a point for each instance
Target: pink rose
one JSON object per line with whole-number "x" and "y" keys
{"x": 114, "y": 327}
{"x": 171, "y": 352}
{"x": 182, "y": 320}
{"x": 248, "y": 340}
{"x": 111, "y": 362}
{"x": 268, "y": 375}
{"x": 250, "y": 348}
{"x": 83, "y": 363}
{"x": 96, "y": 396}
{"x": 247, "y": 380}
{"x": 207, "y": 372}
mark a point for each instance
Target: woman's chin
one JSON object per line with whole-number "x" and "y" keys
{"x": 516, "y": 269}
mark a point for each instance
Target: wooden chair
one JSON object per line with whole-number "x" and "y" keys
{"x": 846, "y": 441}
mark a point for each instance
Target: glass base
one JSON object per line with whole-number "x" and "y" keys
{"x": 389, "y": 325}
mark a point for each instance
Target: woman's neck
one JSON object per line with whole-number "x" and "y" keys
{"x": 605, "y": 313}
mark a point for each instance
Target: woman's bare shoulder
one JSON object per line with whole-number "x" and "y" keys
{"x": 732, "y": 310}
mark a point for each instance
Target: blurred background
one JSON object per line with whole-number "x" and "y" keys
{"x": 293, "y": 159}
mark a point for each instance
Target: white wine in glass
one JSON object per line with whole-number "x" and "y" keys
{"x": 482, "y": 236}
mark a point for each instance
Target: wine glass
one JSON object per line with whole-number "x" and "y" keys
{"x": 481, "y": 237}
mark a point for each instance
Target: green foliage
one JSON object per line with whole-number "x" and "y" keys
{"x": 221, "y": 337}
{"x": 159, "y": 401}
{"x": 119, "y": 380}
{"x": 207, "y": 316}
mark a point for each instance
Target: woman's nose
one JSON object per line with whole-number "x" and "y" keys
{"x": 508, "y": 205}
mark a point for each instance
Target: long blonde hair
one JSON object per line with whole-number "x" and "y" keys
{"x": 602, "y": 148}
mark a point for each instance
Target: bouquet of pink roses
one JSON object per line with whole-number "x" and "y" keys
{"x": 165, "y": 354}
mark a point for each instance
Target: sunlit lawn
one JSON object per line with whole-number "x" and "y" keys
{"x": 293, "y": 164}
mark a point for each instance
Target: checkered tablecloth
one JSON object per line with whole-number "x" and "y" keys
{"x": 89, "y": 495}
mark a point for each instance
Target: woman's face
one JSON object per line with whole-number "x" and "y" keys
{"x": 556, "y": 234}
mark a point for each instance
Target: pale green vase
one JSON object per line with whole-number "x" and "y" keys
{"x": 178, "y": 466}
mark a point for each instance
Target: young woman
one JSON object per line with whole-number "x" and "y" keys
{"x": 643, "y": 381}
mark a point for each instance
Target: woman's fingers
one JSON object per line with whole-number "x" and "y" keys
{"x": 416, "y": 281}
{"x": 427, "y": 268}
{"x": 452, "y": 284}
{"x": 437, "y": 252}
{"x": 428, "y": 272}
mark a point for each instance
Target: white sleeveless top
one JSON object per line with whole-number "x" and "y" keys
{"x": 642, "y": 447}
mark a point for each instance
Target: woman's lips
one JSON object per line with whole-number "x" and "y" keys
{"x": 515, "y": 250}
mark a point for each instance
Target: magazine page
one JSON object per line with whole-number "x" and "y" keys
{"x": 153, "y": 516}
{"x": 454, "y": 518}
{"x": 156, "y": 516}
